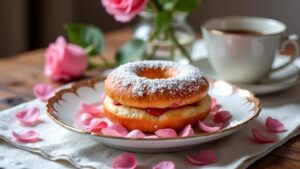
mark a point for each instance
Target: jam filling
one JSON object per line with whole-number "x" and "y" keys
{"x": 160, "y": 111}
{"x": 117, "y": 103}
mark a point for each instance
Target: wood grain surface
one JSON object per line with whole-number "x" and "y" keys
{"x": 18, "y": 74}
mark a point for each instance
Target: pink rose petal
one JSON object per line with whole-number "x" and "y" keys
{"x": 119, "y": 128}
{"x": 135, "y": 134}
{"x": 187, "y": 131}
{"x": 222, "y": 116}
{"x": 151, "y": 137}
{"x": 214, "y": 105}
{"x": 259, "y": 137}
{"x": 28, "y": 116}
{"x": 96, "y": 125}
{"x": 86, "y": 118}
{"x": 26, "y": 137}
{"x": 274, "y": 125}
{"x": 204, "y": 157}
{"x": 43, "y": 91}
{"x": 209, "y": 127}
{"x": 166, "y": 133}
{"x": 125, "y": 161}
{"x": 164, "y": 165}
{"x": 111, "y": 132}
{"x": 213, "y": 102}
{"x": 91, "y": 109}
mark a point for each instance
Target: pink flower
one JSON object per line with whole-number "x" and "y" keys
{"x": 124, "y": 10}
{"x": 64, "y": 61}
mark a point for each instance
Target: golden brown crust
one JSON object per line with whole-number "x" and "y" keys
{"x": 181, "y": 85}
{"x": 135, "y": 118}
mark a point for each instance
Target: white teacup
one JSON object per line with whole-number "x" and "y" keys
{"x": 242, "y": 49}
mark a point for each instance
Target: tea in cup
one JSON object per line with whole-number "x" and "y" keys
{"x": 242, "y": 49}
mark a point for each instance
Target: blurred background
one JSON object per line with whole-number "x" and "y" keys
{"x": 31, "y": 24}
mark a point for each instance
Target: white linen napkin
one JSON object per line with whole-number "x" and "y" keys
{"x": 14, "y": 158}
{"x": 61, "y": 144}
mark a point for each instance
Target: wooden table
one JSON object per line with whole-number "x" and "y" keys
{"x": 20, "y": 73}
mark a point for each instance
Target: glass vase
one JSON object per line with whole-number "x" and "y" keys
{"x": 163, "y": 46}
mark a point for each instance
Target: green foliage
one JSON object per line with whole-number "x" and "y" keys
{"x": 163, "y": 21}
{"x": 187, "y": 5}
{"x": 177, "y": 5}
{"x": 88, "y": 37}
{"x": 131, "y": 51}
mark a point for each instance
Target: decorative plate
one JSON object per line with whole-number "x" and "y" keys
{"x": 65, "y": 105}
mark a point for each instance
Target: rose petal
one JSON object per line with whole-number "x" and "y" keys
{"x": 135, "y": 134}
{"x": 222, "y": 116}
{"x": 274, "y": 125}
{"x": 187, "y": 131}
{"x": 214, "y": 105}
{"x": 204, "y": 157}
{"x": 259, "y": 137}
{"x": 164, "y": 165}
{"x": 91, "y": 109}
{"x": 86, "y": 118}
{"x": 26, "y": 137}
{"x": 111, "y": 132}
{"x": 43, "y": 91}
{"x": 213, "y": 102}
{"x": 166, "y": 133}
{"x": 151, "y": 137}
{"x": 125, "y": 161}
{"x": 28, "y": 116}
{"x": 119, "y": 128}
{"x": 209, "y": 127}
{"x": 96, "y": 125}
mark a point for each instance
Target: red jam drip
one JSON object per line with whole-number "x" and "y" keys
{"x": 117, "y": 103}
{"x": 157, "y": 111}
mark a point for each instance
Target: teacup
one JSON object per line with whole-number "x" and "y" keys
{"x": 242, "y": 49}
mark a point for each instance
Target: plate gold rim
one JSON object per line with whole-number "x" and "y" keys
{"x": 50, "y": 110}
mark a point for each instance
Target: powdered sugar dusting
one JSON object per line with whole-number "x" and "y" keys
{"x": 188, "y": 78}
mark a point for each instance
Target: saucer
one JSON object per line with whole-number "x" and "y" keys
{"x": 65, "y": 105}
{"x": 277, "y": 81}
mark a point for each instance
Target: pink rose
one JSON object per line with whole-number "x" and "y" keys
{"x": 124, "y": 10}
{"x": 64, "y": 61}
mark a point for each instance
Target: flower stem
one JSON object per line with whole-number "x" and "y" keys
{"x": 156, "y": 7}
{"x": 103, "y": 63}
{"x": 156, "y": 4}
{"x": 180, "y": 47}
{"x": 154, "y": 49}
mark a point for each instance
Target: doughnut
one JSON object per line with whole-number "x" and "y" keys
{"x": 156, "y": 84}
{"x": 137, "y": 118}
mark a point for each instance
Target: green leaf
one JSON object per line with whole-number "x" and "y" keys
{"x": 187, "y": 5}
{"x": 86, "y": 36}
{"x": 131, "y": 51}
{"x": 163, "y": 21}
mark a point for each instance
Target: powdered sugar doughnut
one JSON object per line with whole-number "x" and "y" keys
{"x": 156, "y": 84}
{"x": 146, "y": 121}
